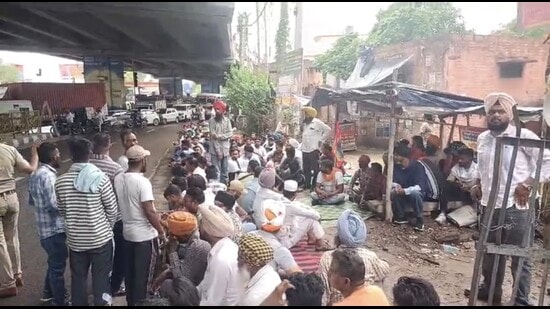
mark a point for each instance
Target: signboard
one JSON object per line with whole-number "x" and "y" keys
{"x": 293, "y": 62}
{"x": 348, "y": 131}
{"x": 533, "y": 14}
{"x": 469, "y": 136}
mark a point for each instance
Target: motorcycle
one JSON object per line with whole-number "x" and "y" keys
{"x": 64, "y": 128}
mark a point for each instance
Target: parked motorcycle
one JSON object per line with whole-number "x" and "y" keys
{"x": 64, "y": 128}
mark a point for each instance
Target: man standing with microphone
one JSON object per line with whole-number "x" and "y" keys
{"x": 220, "y": 133}
{"x": 314, "y": 134}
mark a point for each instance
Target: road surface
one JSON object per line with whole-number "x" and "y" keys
{"x": 155, "y": 139}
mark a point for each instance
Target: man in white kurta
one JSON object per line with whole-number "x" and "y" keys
{"x": 255, "y": 272}
{"x": 499, "y": 110}
{"x": 300, "y": 220}
{"x": 220, "y": 284}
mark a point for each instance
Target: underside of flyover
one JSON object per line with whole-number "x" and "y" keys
{"x": 190, "y": 40}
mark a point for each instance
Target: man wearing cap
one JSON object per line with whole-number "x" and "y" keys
{"x": 300, "y": 220}
{"x": 499, "y": 110}
{"x": 260, "y": 278}
{"x": 314, "y": 134}
{"x": 187, "y": 253}
{"x": 220, "y": 133}
{"x": 220, "y": 284}
{"x": 141, "y": 224}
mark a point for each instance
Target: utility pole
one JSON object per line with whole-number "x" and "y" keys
{"x": 299, "y": 14}
{"x": 265, "y": 39}
{"x": 258, "y": 32}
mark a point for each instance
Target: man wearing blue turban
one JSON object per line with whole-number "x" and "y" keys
{"x": 352, "y": 234}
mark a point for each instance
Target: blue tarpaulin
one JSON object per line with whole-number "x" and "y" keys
{"x": 408, "y": 96}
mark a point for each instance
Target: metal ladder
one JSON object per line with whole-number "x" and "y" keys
{"x": 502, "y": 250}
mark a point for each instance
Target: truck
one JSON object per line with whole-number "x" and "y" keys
{"x": 61, "y": 97}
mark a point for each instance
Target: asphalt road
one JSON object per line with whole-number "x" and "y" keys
{"x": 154, "y": 139}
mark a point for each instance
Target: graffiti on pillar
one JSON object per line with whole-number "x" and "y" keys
{"x": 111, "y": 73}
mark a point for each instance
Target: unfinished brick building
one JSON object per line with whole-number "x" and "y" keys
{"x": 471, "y": 65}
{"x": 475, "y": 65}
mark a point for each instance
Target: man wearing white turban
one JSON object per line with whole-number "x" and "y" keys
{"x": 220, "y": 284}
{"x": 351, "y": 234}
{"x": 270, "y": 216}
{"x": 499, "y": 110}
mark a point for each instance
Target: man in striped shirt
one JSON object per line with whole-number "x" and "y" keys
{"x": 101, "y": 159}
{"x": 87, "y": 202}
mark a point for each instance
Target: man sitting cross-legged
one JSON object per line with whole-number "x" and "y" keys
{"x": 329, "y": 189}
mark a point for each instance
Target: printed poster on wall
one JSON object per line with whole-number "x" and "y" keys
{"x": 469, "y": 136}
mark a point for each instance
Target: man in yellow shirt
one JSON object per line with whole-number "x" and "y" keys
{"x": 347, "y": 275}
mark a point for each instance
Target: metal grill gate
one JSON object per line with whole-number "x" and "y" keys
{"x": 499, "y": 250}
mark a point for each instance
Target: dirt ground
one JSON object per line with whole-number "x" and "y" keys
{"x": 409, "y": 253}
{"x": 418, "y": 254}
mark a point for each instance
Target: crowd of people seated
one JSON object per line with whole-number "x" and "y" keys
{"x": 257, "y": 220}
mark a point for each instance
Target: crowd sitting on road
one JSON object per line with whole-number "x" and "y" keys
{"x": 233, "y": 216}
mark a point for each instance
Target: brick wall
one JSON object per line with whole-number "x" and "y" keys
{"x": 472, "y": 69}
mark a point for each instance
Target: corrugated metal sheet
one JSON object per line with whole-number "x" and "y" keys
{"x": 60, "y": 96}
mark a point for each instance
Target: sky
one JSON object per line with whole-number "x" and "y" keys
{"x": 323, "y": 18}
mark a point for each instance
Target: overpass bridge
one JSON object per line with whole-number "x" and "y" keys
{"x": 190, "y": 40}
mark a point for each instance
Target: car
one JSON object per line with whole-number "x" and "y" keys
{"x": 169, "y": 115}
{"x": 151, "y": 116}
{"x": 185, "y": 111}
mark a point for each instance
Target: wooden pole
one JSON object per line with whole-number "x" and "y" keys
{"x": 391, "y": 143}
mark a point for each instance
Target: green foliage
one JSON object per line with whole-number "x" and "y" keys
{"x": 282, "y": 42}
{"x": 409, "y": 21}
{"x": 250, "y": 93}
{"x": 8, "y": 73}
{"x": 129, "y": 76}
{"x": 340, "y": 60}
{"x": 512, "y": 28}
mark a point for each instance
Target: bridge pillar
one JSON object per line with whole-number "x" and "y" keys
{"x": 170, "y": 87}
{"x": 211, "y": 86}
{"x": 110, "y": 72}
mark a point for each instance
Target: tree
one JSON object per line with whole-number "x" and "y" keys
{"x": 129, "y": 76}
{"x": 282, "y": 42}
{"x": 8, "y": 73}
{"x": 340, "y": 60}
{"x": 409, "y": 21}
{"x": 512, "y": 28}
{"x": 250, "y": 93}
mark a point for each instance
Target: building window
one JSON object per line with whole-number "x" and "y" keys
{"x": 511, "y": 69}
{"x": 382, "y": 129}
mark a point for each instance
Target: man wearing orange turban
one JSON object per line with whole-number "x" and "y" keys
{"x": 220, "y": 133}
{"x": 187, "y": 253}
